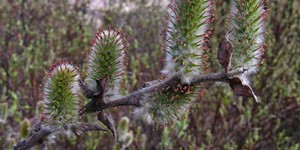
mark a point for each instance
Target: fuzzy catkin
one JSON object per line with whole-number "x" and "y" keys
{"x": 61, "y": 94}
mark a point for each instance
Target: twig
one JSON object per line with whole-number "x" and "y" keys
{"x": 41, "y": 132}
{"x": 135, "y": 98}
{"x": 37, "y": 137}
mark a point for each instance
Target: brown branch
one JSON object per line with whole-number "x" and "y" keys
{"x": 38, "y": 134}
{"x": 41, "y": 131}
{"x": 135, "y": 98}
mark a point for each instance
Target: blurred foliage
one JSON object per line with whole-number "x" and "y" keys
{"x": 125, "y": 137}
{"x": 35, "y": 34}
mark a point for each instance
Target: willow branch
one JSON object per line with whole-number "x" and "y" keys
{"x": 135, "y": 98}
{"x": 41, "y": 132}
{"x": 38, "y": 134}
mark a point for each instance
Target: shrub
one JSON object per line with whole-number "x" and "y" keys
{"x": 165, "y": 100}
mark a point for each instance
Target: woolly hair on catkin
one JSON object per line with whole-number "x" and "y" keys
{"x": 107, "y": 57}
{"x": 168, "y": 105}
{"x": 247, "y": 22}
{"x": 187, "y": 32}
{"x": 61, "y": 94}
{"x": 171, "y": 103}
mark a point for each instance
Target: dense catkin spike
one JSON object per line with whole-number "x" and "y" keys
{"x": 187, "y": 32}
{"x": 61, "y": 94}
{"x": 107, "y": 57}
{"x": 248, "y": 31}
{"x": 168, "y": 105}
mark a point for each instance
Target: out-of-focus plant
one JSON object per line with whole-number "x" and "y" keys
{"x": 25, "y": 126}
{"x": 125, "y": 137}
{"x": 176, "y": 131}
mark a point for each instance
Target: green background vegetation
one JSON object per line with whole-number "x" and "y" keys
{"x": 36, "y": 34}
